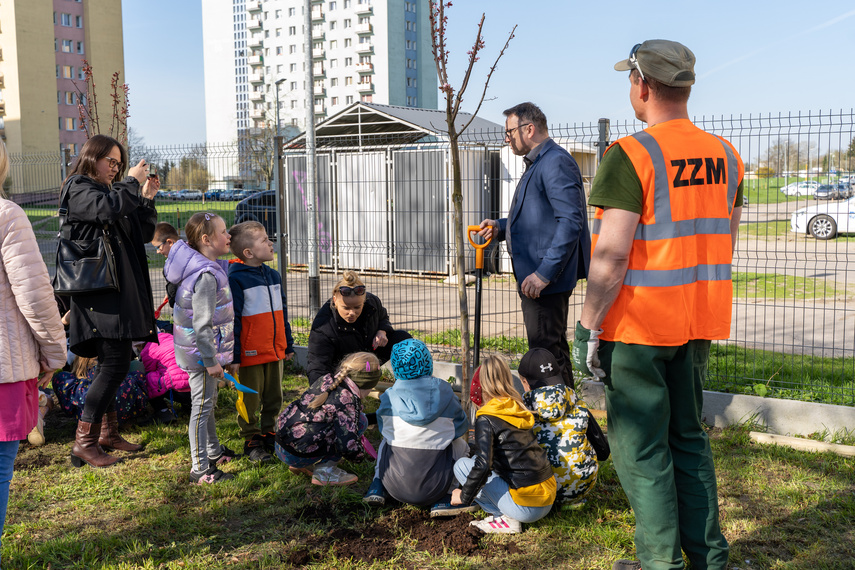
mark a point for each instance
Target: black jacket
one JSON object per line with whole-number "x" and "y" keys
{"x": 512, "y": 453}
{"x": 332, "y": 338}
{"x": 127, "y": 314}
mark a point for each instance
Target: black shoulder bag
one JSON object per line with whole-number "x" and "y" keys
{"x": 82, "y": 266}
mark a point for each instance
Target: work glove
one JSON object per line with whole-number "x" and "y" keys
{"x": 585, "y": 358}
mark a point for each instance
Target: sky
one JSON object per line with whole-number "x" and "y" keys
{"x": 753, "y": 58}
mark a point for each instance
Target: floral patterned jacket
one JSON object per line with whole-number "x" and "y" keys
{"x": 329, "y": 431}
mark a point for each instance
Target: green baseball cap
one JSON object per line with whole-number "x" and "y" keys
{"x": 667, "y": 62}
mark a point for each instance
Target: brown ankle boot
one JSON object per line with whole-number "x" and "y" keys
{"x": 110, "y": 438}
{"x": 86, "y": 448}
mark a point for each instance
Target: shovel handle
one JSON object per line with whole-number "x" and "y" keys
{"x": 157, "y": 312}
{"x": 479, "y": 248}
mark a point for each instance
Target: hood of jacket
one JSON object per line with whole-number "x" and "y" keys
{"x": 509, "y": 410}
{"x": 418, "y": 401}
{"x": 549, "y": 403}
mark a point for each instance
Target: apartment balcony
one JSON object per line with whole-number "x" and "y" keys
{"x": 364, "y": 10}
{"x": 364, "y": 29}
{"x": 365, "y": 88}
{"x": 364, "y": 48}
{"x": 255, "y": 60}
{"x": 256, "y": 41}
{"x": 256, "y": 114}
{"x": 364, "y": 68}
{"x": 256, "y": 96}
{"x": 254, "y": 24}
{"x": 256, "y": 78}
{"x": 2, "y": 108}
{"x": 317, "y": 15}
{"x": 319, "y": 54}
{"x": 253, "y": 6}
{"x": 318, "y": 35}
{"x": 315, "y": 2}
{"x": 319, "y": 91}
{"x": 319, "y": 71}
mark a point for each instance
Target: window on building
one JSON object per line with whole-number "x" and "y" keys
{"x": 293, "y": 86}
{"x": 280, "y": 68}
{"x": 349, "y": 99}
{"x": 348, "y": 61}
{"x": 278, "y": 32}
{"x": 279, "y": 50}
{"x": 411, "y": 82}
{"x": 333, "y": 63}
{"x": 278, "y": 14}
{"x": 348, "y": 80}
{"x": 348, "y": 42}
{"x": 294, "y": 122}
{"x": 78, "y": 21}
{"x": 292, "y": 11}
{"x": 80, "y": 47}
{"x": 66, "y": 46}
{"x": 266, "y": 33}
{"x": 293, "y": 103}
{"x": 410, "y": 6}
{"x": 65, "y": 19}
{"x": 292, "y": 31}
{"x": 68, "y": 72}
{"x": 72, "y": 148}
{"x": 292, "y": 68}
{"x": 69, "y": 123}
{"x": 55, "y": 44}
{"x": 333, "y": 25}
{"x": 332, "y": 6}
{"x": 334, "y": 82}
{"x": 347, "y": 3}
{"x": 411, "y": 63}
{"x": 81, "y": 75}
{"x": 366, "y": 98}
{"x": 347, "y": 23}
{"x": 334, "y": 100}
{"x": 365, "y": 19}
{"x": 70, "y": 98}
{"x": 292, "y": 48}
{"x": 54, "y": 18}
{"x": 333, "y": 44}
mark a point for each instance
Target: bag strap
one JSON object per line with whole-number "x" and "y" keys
{"x": 64, "y": 226}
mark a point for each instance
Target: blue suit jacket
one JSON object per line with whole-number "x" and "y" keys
{"x": 549, "y": 222}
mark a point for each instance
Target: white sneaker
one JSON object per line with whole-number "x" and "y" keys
{"x": 499, "y": 525}
{"x": 332, "y": 475}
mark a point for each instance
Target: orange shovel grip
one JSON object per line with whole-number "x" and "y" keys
{"x": 479, "y": 248}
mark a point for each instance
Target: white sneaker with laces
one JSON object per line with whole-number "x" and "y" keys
{"x": 499, "y": 525}
{"x": 332, "y": 475}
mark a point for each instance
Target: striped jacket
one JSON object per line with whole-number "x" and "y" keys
{"x": 262, "y": 331}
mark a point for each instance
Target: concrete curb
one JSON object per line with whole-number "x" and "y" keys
{"x": 783, "y": 417}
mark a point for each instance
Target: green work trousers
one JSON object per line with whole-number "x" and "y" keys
{"x": 266, "y": 379}
{"x": 662, "y": 454}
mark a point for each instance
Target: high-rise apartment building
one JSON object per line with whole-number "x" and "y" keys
{"x": 362, "y": 50}
{"x": 38, "y": 110}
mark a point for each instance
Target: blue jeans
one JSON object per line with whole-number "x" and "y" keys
{"x": 8, "y": 451}
{"x": 495, "y": 496}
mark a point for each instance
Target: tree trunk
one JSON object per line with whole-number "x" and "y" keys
{"x": 460, "y": 262}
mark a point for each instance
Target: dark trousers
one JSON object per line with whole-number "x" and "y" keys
{"x": 114, "y": 360}
{"x": 545, "y": 321}
{"x": 662, "y": 455}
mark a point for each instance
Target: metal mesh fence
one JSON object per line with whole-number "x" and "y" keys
{"x": 385, "y": 211}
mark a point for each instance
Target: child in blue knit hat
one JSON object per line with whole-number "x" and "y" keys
{"x": 424, "y": 431}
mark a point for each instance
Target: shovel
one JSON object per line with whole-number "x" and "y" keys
{"x": 479, "y": 266}
{"x": 241, "y": 407}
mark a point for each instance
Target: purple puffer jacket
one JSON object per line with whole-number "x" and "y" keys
{"x": 162, "y": 373}
{"x": 185, "y": 266}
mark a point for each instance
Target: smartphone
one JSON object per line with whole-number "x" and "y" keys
{"x": 152, "y": 173}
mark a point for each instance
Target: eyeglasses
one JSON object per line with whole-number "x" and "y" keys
{"x": 113, "y": 163}
{"x": 509, "y": 132}
{"x": 158, "y": 246}
{"x": 359, "y": 290}
{"x": 634, "y": 60}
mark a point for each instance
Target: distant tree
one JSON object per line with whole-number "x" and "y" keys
{"x": 789, "y": 155}
{"x": 257, "y": 155}
{"x": 191, "y": 171}
{"x": 850, "y": 152}
{"x": 765, "y": 172}
{"x": 438, "y": 23}
{"x": 136, "y": 146}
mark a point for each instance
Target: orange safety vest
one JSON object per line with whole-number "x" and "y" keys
{"x": 678, "y": 284}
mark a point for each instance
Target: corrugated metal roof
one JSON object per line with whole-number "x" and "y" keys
{"x": 372, "y": 124}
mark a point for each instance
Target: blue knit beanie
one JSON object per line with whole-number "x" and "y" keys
{"x": 411, "y": 359}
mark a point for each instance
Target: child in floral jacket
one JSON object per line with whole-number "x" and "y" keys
{"x": 560, "y": 423}
{"x": 325, "y": 424}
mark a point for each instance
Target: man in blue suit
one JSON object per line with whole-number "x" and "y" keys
{"x": 546, "y": 231}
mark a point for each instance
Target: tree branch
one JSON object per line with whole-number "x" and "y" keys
{"x": 487, "y": 81}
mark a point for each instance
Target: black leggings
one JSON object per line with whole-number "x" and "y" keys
{"x": 114, "y": 361}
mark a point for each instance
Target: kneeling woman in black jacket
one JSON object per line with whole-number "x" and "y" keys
{"x": 510, "y": 477}
{"x": 353, "y": 320}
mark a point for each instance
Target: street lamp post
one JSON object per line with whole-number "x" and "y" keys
{"x": 277, "y": 83}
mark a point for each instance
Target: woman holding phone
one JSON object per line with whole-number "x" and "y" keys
{"x": 104, "y": 324}
{"x": 353, "y": 320}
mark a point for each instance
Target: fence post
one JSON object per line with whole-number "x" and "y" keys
{"x": 281, "y": 234}
{"x": 66, "y": 162}
{"x": 603, "y": 142}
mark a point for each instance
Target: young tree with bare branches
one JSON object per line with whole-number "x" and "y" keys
{"x": 453, "y": 101}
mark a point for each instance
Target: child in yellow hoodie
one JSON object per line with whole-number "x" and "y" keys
{"x": 510, "y": 476}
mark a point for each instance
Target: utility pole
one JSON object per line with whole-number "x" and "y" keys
{"x": 311, "y": 178}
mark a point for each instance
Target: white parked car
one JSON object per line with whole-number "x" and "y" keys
{"x": 804, "y": 188}
{"x": 825, "y": 221}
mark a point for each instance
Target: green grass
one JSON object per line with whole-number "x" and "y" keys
{"x": 810, "y": 378}
{"x": 781, "y": 509}
{"x": 777, "y": 286}
{"x": 504, "y": 344}
{"x": 765, "y": 229}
